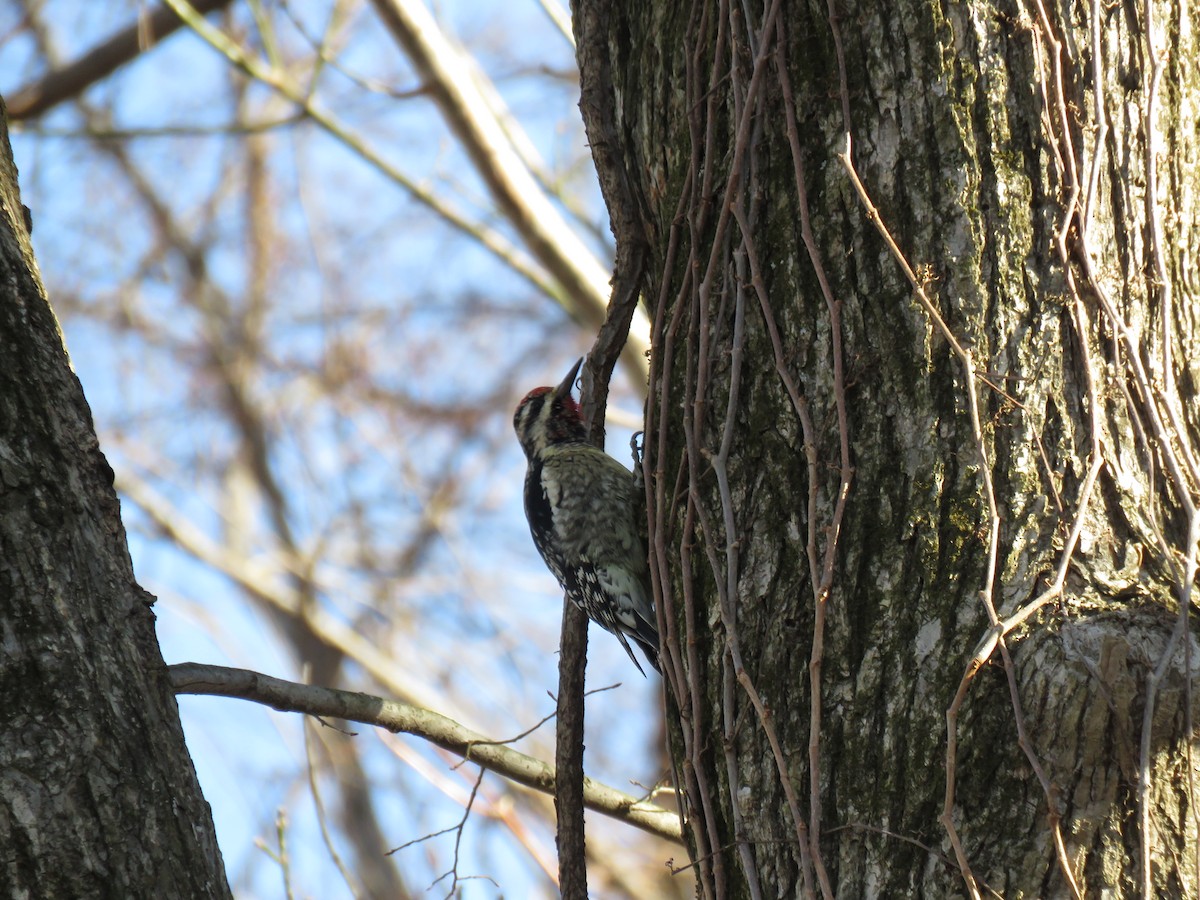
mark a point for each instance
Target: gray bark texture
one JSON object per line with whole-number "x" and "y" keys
{"x": 921, "y": 514}
{"x": 98, "y": 796}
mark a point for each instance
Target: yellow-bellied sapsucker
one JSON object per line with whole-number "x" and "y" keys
{"x": 578, "y": 500}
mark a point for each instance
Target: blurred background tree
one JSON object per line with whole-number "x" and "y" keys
{"x": 307, "y": 257}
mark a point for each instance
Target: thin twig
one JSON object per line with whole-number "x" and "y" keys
{"x": 322, "y": 820}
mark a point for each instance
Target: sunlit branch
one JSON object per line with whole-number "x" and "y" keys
{"x": 395, "y": 716}
{"x": 471, "y": 115}
{"x": 71, "y": 80}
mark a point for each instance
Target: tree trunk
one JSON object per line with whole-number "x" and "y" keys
{"x": 922, "y": 515}
{"x": 98, "y": 797}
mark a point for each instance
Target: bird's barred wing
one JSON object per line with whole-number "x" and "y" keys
{"x": 579, "y": 504}
{"x": 583, "y": 485}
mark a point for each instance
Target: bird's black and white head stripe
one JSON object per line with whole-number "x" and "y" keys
{"x": 549, "y": 415}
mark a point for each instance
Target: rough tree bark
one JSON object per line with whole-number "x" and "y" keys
{"x": 922, "y": 515}
{"x": 98, "y": 797}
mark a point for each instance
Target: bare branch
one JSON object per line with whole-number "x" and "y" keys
{"x": 34, "y": 99}
{"x": 288, "y": 696}
{"x": 473, "y": 120}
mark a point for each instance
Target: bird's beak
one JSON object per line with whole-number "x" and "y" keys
{"x": 564, "y": 389}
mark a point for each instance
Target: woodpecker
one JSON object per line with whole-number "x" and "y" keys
{"x": 579, "y": 503}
